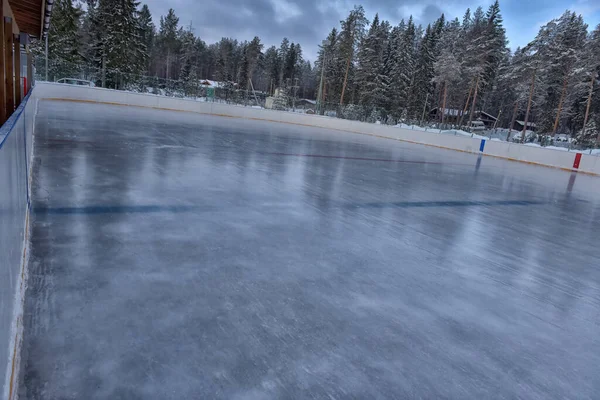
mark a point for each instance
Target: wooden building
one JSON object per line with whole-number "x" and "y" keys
{"x": 21, "y": 21}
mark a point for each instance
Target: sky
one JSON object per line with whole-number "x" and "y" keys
{"x": 309, "y": 21}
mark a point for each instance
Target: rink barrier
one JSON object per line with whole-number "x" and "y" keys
{"x": 16, "y": 147}
{"x": 505, "y": 150}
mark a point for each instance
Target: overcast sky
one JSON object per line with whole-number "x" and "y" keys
{"x": 308, "y": 21}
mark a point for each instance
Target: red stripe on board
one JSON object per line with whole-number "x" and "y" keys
{"x": 577, "y": 161}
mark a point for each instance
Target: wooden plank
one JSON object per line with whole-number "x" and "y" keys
{"x": 28, "y": 15}
{"x": 8, "y": 64}
{"x": 2, "y": 74}
{"x": 18, "y": 83}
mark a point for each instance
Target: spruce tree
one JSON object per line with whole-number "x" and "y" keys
{"x": 351, "y": 34}
{"x": 403, "y": 68}
{"x": 147, "y": 33}
{"x": 64, "y": 42}
{"x": 168, "y": 43}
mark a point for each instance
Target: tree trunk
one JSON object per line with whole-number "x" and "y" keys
{"x": 473, "y": 104}
{"x": 587, "y": 108}
{"x": 464, "y": 111}
{"x": 347, "y": 71}
{"x": 440, "y": 99}
{"x": 560, "y": 105}
{"x": 444, "y": 103}
{"x": 528, "y": 106}
{"x": 512, "y": 122}
{"x": 168, "y": 63}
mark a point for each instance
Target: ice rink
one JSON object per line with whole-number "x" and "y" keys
{"x": 184, "y": 256}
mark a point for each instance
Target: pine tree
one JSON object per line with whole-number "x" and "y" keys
{"x": 64, "y": 41}
{"x": 271, "y": 66}
{"x": 168, "y": 43}
{"x": 308, "y": 81}
{"x": 586, "y": 92}
{"x": 403, "y": 66}
{"x": 252, "y": 55}
{"x": 422, "y": 88}
{"x": 447, "y": 73}
{"x": 351, "y": 33}
{"x": 118, "y": 51}
{"x": 369, "y": 74}
{"x": 289, "y": 64}
{"x": 187, "y": 59}
{"x": 558, "y": 55}
{"x": 147, "y": 33}
{"x": 282, "y": 53}
{"x": 334, "y": 67}
{"x": 478, "y": 21}
{"x": 467, "y": 21}
{"x": 225, "y": 63}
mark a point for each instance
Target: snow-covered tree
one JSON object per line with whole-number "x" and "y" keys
{"x": 351, "y": 34}
{"x": 115, "y": 46}
{"x": 559, "y": 54}
{"x": 168, "y": 43}
{"x": 147, "y": 33}
{"x": 403, "y": 69}
{"x": 370, "y": 74}
{"x": 64, "y": 41}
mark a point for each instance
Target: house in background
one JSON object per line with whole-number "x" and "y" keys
{"x": 452, "y": 116}
{"x": 519, "y": 126}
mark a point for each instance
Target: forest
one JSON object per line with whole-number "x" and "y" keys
{"x": 373, "y": 70}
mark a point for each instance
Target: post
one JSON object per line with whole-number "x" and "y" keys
{"x": 253, "y": 92}
{"x": 528, "y": 105}
{"x": 2, "y": 72}
{"x": 424, "y": 108}
{"x": 496, "y": 121}
{"x": 47, "y": 34}
{"x": 29, "y": 70}
{"x": 18, "y": 90}
{"x": 9, "y": 67}
{"x": 473, "y": 104}
{"x": 497, "y": 118}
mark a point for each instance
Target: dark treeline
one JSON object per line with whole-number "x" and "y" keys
{"x": 372, "y": 70}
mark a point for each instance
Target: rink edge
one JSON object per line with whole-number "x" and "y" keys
{"x": 313, "y": 126}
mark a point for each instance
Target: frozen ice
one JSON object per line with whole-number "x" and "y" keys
{"x": 182, "y": 256}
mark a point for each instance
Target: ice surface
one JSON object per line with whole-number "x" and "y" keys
{"x": 181, "y": 256}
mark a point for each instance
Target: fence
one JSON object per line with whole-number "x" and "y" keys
{"x": 16, "y": 137}
{"x": 204, "y": 90}
{"x": 465, "y": 143}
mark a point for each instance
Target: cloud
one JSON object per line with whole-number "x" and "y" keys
{"x": 302, "y": 21}
{"x": 309, "y": 21}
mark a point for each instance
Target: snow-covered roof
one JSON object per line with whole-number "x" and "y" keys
{"x": 450, "y": 111}
{"x": 531, "y": 124}
{"x": 487, "y": 115}
{"x": 208, "y": 82}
